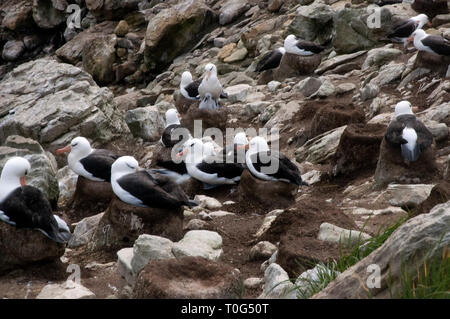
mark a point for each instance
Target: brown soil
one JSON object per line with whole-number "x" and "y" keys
{"x": 439, "y": 194}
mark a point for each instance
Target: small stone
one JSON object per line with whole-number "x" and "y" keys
{"x": 67, "y": 290}
{"x": 12, "y": 50}
{"x": 199, "y": 243}
{"x": 237, "y": 55}
{"x": 195, "y": 224}
{"x": 273, "y": 86}
{"x": 274, "y": 5}
{"x": 262, "y": 250}
{"x": 219, "y": 42}
{"x": 226, "y": 51}
{"x": 253, "y": 282}
{"x": 122, "y": 28}
{"x": 334, "y": 234}
{"x": 207, "y": 202}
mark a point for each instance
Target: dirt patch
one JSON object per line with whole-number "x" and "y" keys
{"x": 333, "y": 115}
{"x": 297, "y": 229}
{"x": 439, "y": 194}
{"x": 187, "y": 277}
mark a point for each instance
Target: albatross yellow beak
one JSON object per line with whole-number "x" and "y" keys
{"x": 410, "y": 39}
{"x": 23, "y": 182}
{"x": 208, "y": 74}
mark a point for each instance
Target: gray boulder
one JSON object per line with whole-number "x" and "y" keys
{"x": 313, "y": 22}
{"x": 413, "y": 244}
{"x": 53, "y": 102}
{"x": 145, "y": 122}
{"x": 174, "y": 31}
{"x": 231, "y": 10}
{"x": 12, "y": 50}
{"x": 48, "y": 14}
{"x": 98, "y": 58}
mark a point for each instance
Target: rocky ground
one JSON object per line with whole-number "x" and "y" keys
{"x": 113, "y": 76}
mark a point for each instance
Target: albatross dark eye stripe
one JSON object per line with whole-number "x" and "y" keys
{"x": 130, "y": 166}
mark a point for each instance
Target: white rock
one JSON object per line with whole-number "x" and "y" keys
{"x": 237, "y": 93}
{"x": 149, "y": 247}
{"x": 321, "y": 148}
{"x": 220, "y": 213}
{"x": 202, "y": 243}
{"x": 207, "y": 202}
{"x": 409, "y": 195}
{"x": 66, "y": 290}
{"x": 253, "y": 282}
{"x": 311, "y": 278}
{"x": 312, "y": 177}
{"x": 262, "y": 250}
{"x": 67, "y": 182}
{"x": 334, "y": 234}
{"x": 84, "y": 230}
{"x": 124, "y": 257}
{"x": 273, "y": 86}
{"x": 267, "y": 222}
{"x": 277, "y": 284}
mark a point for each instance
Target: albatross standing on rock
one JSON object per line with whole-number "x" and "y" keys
{"x": 25, "y": 206}
{"x": 270, "y": 166}
{"x": 406, "y": 131}
{"x": 211, "y": 85}
{"x": 301, "y": 47}
{"x": 403, "y": 31}
{"x": 142, "y": 188}
{"x": 430, "y": 43}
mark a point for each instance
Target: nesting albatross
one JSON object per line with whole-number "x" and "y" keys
{"x": 25, "y": 206}
{"x": 430, "y": 43}
{"x": 405, "y": 29}
{"x": 301, "y": 47}
{"x": 93, "y": 164}
{"x": 269, "y": 165}
{"x": 138, "y": 187}
{"x": 270, "y": 60}
{"x": 207, "y": 168}
{"x": 407, "y": 132}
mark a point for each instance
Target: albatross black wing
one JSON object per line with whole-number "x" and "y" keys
{"x": 167, "y": 138}
{"x": 220, "y": 167}
{"x": 27, "y": 207}
{"x": 394, "y": 132}
{"x": 309, "y": 46}
{"x": 270, "y": 60}
{"x": 437, "y": 44}
{"x": 99, "y": 162}
{"x": 424, "y": 136}
{"x": 152, "y": 191}
{"x": 192, "y": 88}
{"x": 403, "y": 30}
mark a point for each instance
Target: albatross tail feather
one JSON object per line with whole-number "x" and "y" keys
{"x": 6, "y": 219}
{"x": 410, "y": 155}
{"x": 60, "y": 233}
